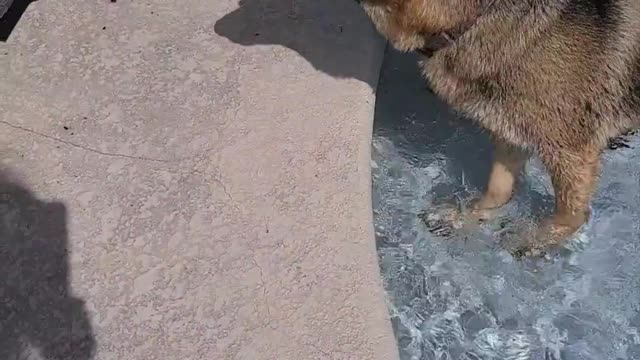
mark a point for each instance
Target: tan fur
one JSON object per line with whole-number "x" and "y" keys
{"x": 557, "y": 78}
{"x": 507, "y": 166}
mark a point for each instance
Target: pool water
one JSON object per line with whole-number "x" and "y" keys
{"x": 463, "y": 296}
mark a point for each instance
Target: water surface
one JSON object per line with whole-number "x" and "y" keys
{"x": 465, "y": 297}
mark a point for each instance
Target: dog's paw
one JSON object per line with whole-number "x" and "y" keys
{"x": 621, "y": 141}
{"x": 540, "y": 241}
{"x": 486, "y": 207}
{"x": 442, "y": 221}
{"x": 528, "y": 251}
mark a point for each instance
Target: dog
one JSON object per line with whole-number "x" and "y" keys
{"x": 553, "y": 78}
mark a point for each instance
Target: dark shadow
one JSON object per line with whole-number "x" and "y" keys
{"x": 330, "y": 34}
{"x": 420, "y": 125}
{"x": 38, "y": 312}
{"x": 13, "y": 14}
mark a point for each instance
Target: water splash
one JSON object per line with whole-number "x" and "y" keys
{"x": 467, "y": 298}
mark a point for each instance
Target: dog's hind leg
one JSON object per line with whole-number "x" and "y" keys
{"x": 574, "y": 175}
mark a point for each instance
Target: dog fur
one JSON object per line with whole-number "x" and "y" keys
{"x": 554, "y": 78}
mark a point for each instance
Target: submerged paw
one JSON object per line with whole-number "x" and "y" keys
{"x": 443, "y": 221}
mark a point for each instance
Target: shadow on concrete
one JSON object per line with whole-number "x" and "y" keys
{"x": 330, "y": 34}
{"x": 13, "y": 14}
{"x": 38, "y": 313}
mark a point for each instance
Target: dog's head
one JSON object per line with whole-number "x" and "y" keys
{"x": 410, "y": 24}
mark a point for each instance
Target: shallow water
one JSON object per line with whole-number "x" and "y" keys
{"x": 467, "y": 298}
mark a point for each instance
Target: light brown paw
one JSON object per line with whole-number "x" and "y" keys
{"x": 484, "y": 208}
{"x": 539, "y": 241}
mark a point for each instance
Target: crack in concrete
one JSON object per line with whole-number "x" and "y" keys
{"x": 320, "y": 350}
{"x": 217, "y": 180}
{"x": 264, "y": 286}
{"x": 83, "y": 147}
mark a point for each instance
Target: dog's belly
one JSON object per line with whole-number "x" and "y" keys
{"x": 539, "y": 101}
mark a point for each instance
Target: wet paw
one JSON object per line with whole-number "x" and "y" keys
{"x": 439, "y": 227}
{"x": 442, "y": 222}
{"x": 528, "y": 251}
{"x": 484, "y": 208}
{"x": 621, "y": 141}
{"x": 540, "y": 241}
{"x": 481, "y": 215}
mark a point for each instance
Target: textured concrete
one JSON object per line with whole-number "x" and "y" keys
{"x": 190, "y": 180}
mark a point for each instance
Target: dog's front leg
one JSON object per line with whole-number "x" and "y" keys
{"x": 507, "y": 166}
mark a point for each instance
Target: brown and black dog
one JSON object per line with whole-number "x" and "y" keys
{"x": 554, "y": 78}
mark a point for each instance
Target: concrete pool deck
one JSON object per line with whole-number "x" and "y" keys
{"x": 206, "y": 168}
